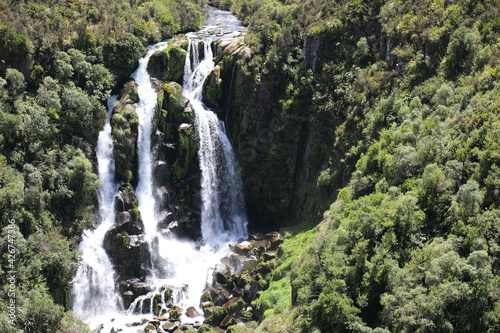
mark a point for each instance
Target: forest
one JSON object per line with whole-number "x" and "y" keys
{"x": 383, "y": 174}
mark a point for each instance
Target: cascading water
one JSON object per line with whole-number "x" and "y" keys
{"x": 145, "y": 111}
{"x": 183, "y": 266}
{"x": 223, "y": 208}
{"x": 95, "y": 279}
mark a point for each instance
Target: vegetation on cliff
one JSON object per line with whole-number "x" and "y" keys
{"x": 391, "y": 109}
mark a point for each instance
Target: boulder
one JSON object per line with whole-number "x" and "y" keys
{"x": 221, "y": 273}
{"x": 242, "y": 248}
{"x": 170, "y": 326}
{"x": 191, "y": 312}
{"x": 227, "y": 321}
{"x": 217, "y": 316}
{"x": 127, "y": 252}
{"x": 160, "y": 172}
{"x": 235, "y": 305}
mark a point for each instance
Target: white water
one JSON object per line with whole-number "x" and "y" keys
{"x": 95, "y": 279}
{"x": 223, "y": 207}
{"x": 145, "y": 111}
{"x": 188, "y": 265}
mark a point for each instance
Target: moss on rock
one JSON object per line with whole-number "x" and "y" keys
{"x": 168, "y": 65}
{"x": 125, "y": 124}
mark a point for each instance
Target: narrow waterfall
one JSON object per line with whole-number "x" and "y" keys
{"x": 145, "y": 111}
{"x": 223, "y": 206}
{"x": 95, "y": 279}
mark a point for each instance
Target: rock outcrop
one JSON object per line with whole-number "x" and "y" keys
{"x": 125, "y": 124}
{"x": 238, "y": 279}
{"x": 176, "y": 171}
{"x": 168, "y": 65}
{"x": 125, "y": 242}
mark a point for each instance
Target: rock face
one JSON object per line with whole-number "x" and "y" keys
{"x": 124, "y": 242}
{"x": 176, "y": 172}
{"x": 219, "y": 81}
{"x": 313, "y": 47}
{"x": 125, "y": 124}
{"x": 168, "y": 65}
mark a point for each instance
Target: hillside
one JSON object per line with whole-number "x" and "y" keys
{"x": 391, "y": 110}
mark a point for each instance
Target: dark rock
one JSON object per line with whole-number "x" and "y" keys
{"x": 168, "y": 65}
{"x": 275, "y": 239}
{"x": 212, "y": 89}
{"x": 245, "y": 316}
{"x": 251, "y": 291}
{"x": 174, "y": 314}
{"x": 218, "y": 315}
{"x": 227, "y": 321}
{"x": 221, "y": 273}
{"x": 125, "y": 120}
{"x": 127, "y": 252}
{"x": 270, "y": 255}
{"x": 234, "y": 305}
{"x": 160, "y": 172}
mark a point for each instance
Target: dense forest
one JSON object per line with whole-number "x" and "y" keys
{"x": 60, "y": 61}
{"x": 383, "y": 151}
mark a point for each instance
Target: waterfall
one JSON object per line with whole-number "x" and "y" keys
{"x": 145, "y": 111}
{"x": 223, "y": 206}
{"x": 95, "y": 278}
{"x": 183, "y": 266}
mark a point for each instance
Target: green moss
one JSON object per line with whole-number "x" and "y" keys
{"x": 157, "y": 304}
{"x": 174, "y": 314}
{"x": 168, "y": 65}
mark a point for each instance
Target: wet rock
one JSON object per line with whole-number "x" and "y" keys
{"x": 150, "y": 328}
{"x": 191, "y": 312}
{"x": 168, "y": 65}
{"x": 221, "y": 273}
{"x": 125, "y": 120}
{"x": 160, "y": 172}
{"x": 127, "y": 252}
{"x": 174, "y": 314}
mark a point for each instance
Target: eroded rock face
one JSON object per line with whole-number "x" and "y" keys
{"x": 176, "y": 171}
{"x": 125, "y": 124}
{"x": 125, "y": 242}
{"x": 168, "y": 65}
